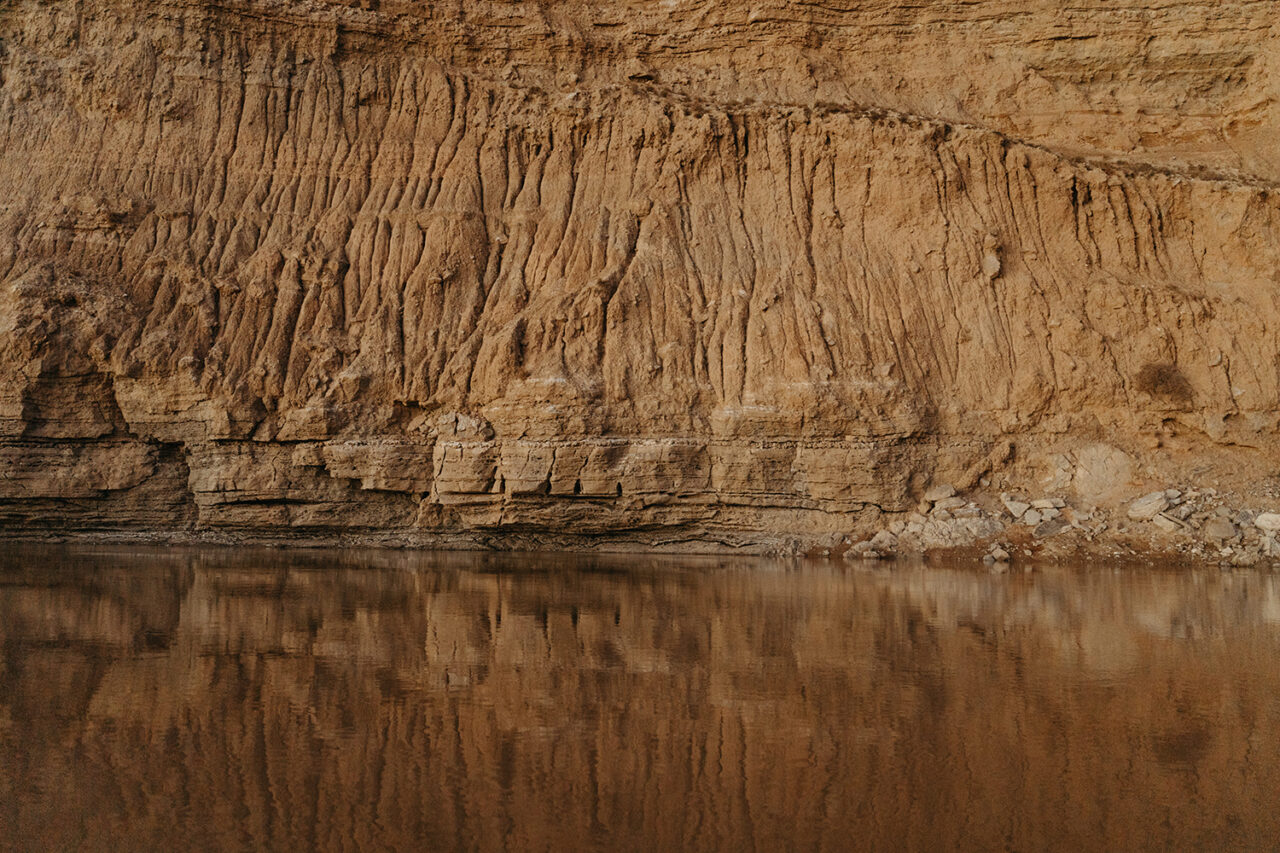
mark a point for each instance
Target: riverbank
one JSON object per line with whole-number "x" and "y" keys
{"x": 999, "y": 530}
{"x": 1183, "y": 524}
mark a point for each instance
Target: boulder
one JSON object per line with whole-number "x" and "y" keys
{"x": 1148, "y": 507}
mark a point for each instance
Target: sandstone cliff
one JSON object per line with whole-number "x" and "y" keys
{"x": 683, "y": 272}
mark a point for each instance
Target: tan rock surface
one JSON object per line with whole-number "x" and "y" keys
{"x": 691, "y": 273}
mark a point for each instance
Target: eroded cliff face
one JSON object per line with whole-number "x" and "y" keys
{"x": 699, "y": 272}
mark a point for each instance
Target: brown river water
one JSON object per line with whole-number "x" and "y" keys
{"x": 206, "y": 699}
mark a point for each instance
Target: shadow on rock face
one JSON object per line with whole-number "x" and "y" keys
{"x": 1166, "y": 382}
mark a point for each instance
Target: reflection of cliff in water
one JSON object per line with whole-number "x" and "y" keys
{"x": 268, "y": 700}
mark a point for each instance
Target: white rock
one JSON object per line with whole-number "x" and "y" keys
{"x": 1049, "y": 503}
{"x": 884, "y": 541}
{"x": 1032, "y": 517}
{"x": 948, "y": 503}
{"x": 1269, "y": 521}
{"x": 861, "y": 551}
{"x": 1148, "y": 507}
{"x": 1165, "y": 523}
{"x": 1016, "y": 507}
{"x": 938, "y": 493}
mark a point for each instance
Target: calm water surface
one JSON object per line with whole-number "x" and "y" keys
{"x": 273, "y": 700}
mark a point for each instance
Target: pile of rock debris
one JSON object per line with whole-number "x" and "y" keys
{"x": 1199, "y": 524}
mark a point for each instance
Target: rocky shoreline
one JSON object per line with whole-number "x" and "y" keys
{"x": 1196, "y": 525}
{"x": 1174, "y": 527}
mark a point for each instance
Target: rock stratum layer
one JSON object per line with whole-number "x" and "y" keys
{"x": 684, "y": 273}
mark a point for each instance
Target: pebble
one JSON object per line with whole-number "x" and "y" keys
{"x": 1032, "y": 517}
{"x": 1052, "y": 527}
{"x": 1000, "y": 555}
{"x": 1167, "y": 524}
{"x": 1049, "y": 503}
{"x": 1016, "y": 507}
{"x": 1219, "y": 528}
{"x": 949, "y": 503}
{"x": 859, "y": 551}
{"x": 1148, "y": 507}
{"x": 938, "y": 493}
